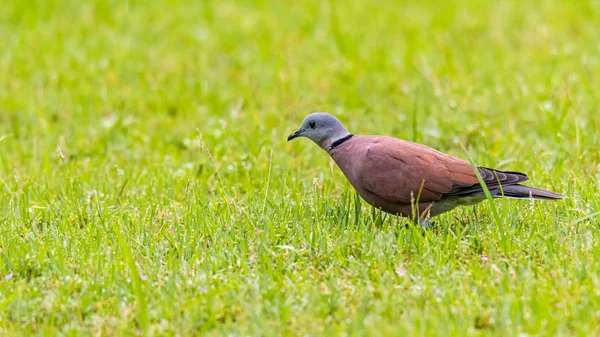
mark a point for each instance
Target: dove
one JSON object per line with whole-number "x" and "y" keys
{"x": 410, "y": 179}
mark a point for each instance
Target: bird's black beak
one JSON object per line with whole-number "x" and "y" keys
{"x": 294, "y": 135}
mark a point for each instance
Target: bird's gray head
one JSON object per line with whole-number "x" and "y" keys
{"x": 322, "y": 128}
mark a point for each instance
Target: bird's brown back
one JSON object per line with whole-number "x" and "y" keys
{"x": 398, "y": 171}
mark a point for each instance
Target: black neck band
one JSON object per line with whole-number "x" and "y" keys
{"x": 340, "y": 141}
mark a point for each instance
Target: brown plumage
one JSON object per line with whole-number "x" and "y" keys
{"x": 397, "y": 175}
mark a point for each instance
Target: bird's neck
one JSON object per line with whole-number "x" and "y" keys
{"x": 334, "y": 142}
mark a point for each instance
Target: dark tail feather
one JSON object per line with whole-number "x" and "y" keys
{"x": 526, "y": 192}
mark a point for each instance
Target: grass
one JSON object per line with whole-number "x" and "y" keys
{"x": 147, "y": 187}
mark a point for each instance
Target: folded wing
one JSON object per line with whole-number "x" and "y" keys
{"x": 401, "y": 171}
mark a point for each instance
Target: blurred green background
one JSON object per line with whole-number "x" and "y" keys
{"x": 148, "y": 187}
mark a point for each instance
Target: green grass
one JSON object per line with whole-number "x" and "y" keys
{"x": 147, "y": 187}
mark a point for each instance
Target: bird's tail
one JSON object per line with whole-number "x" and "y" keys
{"x": 526, "y": 192}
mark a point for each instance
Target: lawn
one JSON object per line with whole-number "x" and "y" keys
{"x": 148, "y": 188}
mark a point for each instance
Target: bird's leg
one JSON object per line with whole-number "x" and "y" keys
{"x": 425, "y": 223}
{"x": 425, "y": 218}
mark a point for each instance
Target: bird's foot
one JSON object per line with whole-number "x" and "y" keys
{"x": 426, "y": 223}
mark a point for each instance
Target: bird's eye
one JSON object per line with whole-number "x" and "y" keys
{"x": 312, "y": 125}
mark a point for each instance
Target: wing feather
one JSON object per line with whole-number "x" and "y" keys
{"x": 398, "y": 171}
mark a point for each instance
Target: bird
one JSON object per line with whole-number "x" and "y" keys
{"x": 408, "y": 179}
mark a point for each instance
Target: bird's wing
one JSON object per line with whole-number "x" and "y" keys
{"x": 401, "y": 171}
{"x": 493, "y": 179}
